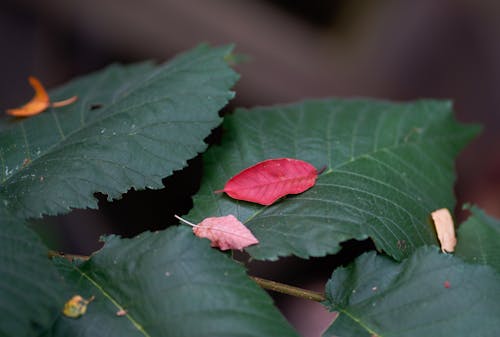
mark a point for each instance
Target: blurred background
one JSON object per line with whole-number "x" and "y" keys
{"x": 389, "y": 49}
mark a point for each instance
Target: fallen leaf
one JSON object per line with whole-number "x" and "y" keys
{"x": 225, "y": 232}
{"x": 269, "y": 180}
{"x": 39, "y": 102}
{"x": 445, "y": 229}
{"x": 76, "y": 306}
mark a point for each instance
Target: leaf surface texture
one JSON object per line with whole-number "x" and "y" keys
{"x": 131, "y": 127}
{"x": 388, "y": 166}
{"x": 428, "y": 294}
{"x": 169, "y": 283}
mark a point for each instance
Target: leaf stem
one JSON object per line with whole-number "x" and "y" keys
{"x": 263, "y": 283}
{"x": 70, "y": 257}
{"x": 289, "y": 290}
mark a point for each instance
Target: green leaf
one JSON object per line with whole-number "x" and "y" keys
{"x": 387, "y": 167}
{"x": 171, "y": 284}
{"x": 30, "y": 298}
{"x": 428, "y": 294}
{"x": 478, "y": 239}
{"x": 131, "y": 127}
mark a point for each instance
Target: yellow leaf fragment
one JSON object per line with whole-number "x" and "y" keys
{"x": 445, "y": 229}
{"x": 39, "y": 102}
{"x": 76, "y": 306}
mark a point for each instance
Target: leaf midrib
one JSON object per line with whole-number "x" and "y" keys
{"x": 360, "y": 323}
{"x": 134, "y": 322}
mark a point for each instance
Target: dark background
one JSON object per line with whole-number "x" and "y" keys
{"x": 398, "y": 50}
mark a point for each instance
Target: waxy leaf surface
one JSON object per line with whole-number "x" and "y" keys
{"x": 131, "y": 127}
{"x": 170, "y": 284}
{"x": 269, "y": 180}
{"x": 479, "y": 239}
{"x": 428, "y": 294}
{"x": 388, "y": 166}
{"x": 225, "y": 232}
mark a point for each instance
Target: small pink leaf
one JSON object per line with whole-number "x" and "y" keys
{"x": 269, "y": 180}
{"x": 225, "y": 232}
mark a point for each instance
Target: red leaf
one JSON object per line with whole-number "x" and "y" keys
{"x": 225, "y": 232}
{"x": 269, "y": 180}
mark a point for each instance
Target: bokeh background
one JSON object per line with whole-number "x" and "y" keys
{"x": 388, "y": 49}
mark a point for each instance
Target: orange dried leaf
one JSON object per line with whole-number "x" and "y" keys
{"x": 445, "y": 229}
{"x": 225, "y": 232}
{"x": 37, "y": 104}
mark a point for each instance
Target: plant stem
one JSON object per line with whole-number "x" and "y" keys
{"x": 69, "y": 257}
{"x": 289, "y": 290}
{"x": 263, "y": 283}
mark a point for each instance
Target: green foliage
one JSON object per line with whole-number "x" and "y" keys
{"x": 130, "y": 127}
{"x": 30, "y": 289}
{"x": 478, "y": 239}
{"x": 429, "y": 294}
{"x": 171, "y": 284}
{"x": 387, "y": 167}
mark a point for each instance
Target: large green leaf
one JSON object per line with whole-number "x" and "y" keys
{"x": 131, "y": 126}
{"x": 30, "y": 289}
{"x": 429, "y": 294}
{"x": 479, "y": 239}
{"x": 171, "y": 284}
{"x": 387, "y": 167}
